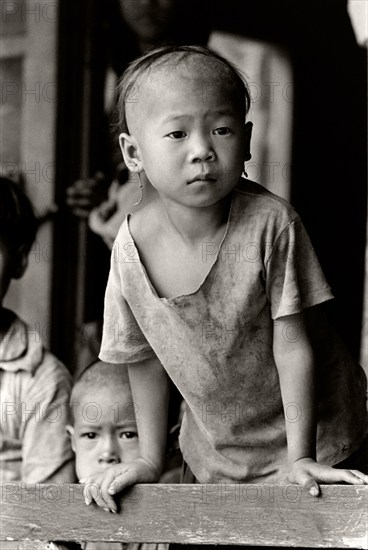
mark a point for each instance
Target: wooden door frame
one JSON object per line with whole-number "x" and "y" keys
{"x": 78, "y": 34}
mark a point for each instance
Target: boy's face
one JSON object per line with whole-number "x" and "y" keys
{"x": 189, "y": 135}
{"x": 104, "y": 431}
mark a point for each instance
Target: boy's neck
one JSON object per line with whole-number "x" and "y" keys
{"x": 196, "y": 225}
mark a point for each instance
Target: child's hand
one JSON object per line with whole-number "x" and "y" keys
{"x": 102, "y": 486}
{"x": 307, "y": 472}
{"x": 83, "y": 195}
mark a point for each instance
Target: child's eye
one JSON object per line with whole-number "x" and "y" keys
{"x": 178, "y": 134}
{"x": 128, "y": 435}
{"x": 89, "y": 435}
{"x": 222, "y": 131}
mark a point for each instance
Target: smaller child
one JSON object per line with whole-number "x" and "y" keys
{"x": 104, "y": 431}
{"x": 34, "y": 385}
{"x": 104, "y": 428}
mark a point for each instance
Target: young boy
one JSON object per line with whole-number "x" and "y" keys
{"x": 34, "y": 385}
{"x": 104, "y": 431}
{"x": 216, "y": 285}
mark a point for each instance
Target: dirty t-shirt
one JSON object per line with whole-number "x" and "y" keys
{"x": 216, "y": 343}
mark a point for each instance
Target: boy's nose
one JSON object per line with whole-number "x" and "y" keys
{"x": 202, "y": 150}
{"x": 109, "y": 453}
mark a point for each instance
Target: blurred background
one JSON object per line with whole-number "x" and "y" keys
{"x": 59, "y": 61}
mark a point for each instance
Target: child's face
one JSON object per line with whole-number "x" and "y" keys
{"x": 104, "y": 431}
{"x": 188, "y": 135}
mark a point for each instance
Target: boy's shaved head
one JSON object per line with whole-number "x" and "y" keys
{"x": 161, "y": 64}
{"x": 98, "y": 375}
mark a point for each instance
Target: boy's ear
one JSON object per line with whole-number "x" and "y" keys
{"x": 20, "y": 263}
{"x": 248, "y": 137}
{"x": 70, "y": 431}
{"x": 129, "y": 148}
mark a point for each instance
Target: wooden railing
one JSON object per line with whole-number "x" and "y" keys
{"x": 234, "y": 514}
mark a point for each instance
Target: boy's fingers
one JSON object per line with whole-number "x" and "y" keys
{"x": 80, "y": 213}
{"x": 138, "y": 472}
{"x": 115, "y": 480}
{"x": 336, "y": 475}
{"x": 109, "y": 480}
{"x": 307, "y": 482}
{"x": 78, "y": 201}
{"x": 109, "y": 505}
{"x": 87, "y": 494}
{"x": 100, "y": 501}
{"x": 360, "y": 475}
{"x": 92, "y": 492}
{"x": 124, "y": 480}
{"x": 310, "y": 485}
{"x": 108, "y": 500}
{"x": 352, "y": 476}
{"x": 328, "y": 474}
{"x": 79, "y": 192}
{"x": 86, "y": 185}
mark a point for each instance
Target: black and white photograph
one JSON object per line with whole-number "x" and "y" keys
{"x": 183, "y": 274}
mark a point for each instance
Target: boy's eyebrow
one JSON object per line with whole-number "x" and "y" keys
{"x": 226, "y": 112}
{"x": 125, "y": 423}
{"x": 97, "y": 427}
{"x": 169, "y": 118}
{"x": 89, "y": 427}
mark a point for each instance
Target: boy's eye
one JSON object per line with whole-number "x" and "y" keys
{"x": 222, "y": 131}
{"x": 89, "y": 435}
{"x": 178, "y": 134}
{"x": 128, "y": 435}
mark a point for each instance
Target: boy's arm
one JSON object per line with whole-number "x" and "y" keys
{"x": 150, "y": 390}
{"x": 295, "y": 364}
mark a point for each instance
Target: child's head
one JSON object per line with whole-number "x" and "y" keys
{"x": 182, "y": 117}
{"x": 104, "y": 430}
{"x": 18, "y": 228}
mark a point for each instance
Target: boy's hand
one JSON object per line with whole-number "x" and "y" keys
{"x": 102, "y": 486}
{"x": 84, "y": 195}
{"x": 307, "y": 473}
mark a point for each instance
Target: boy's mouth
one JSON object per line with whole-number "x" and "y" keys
{"x": 202, "y": 177}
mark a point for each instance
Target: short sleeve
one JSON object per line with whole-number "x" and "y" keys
{"x": 45, "y": 443}
{"x": 122, "y": 339}
{"x": 294, "y": 277}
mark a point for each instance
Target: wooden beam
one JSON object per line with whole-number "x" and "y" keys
{"x": 257, "y": 515}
